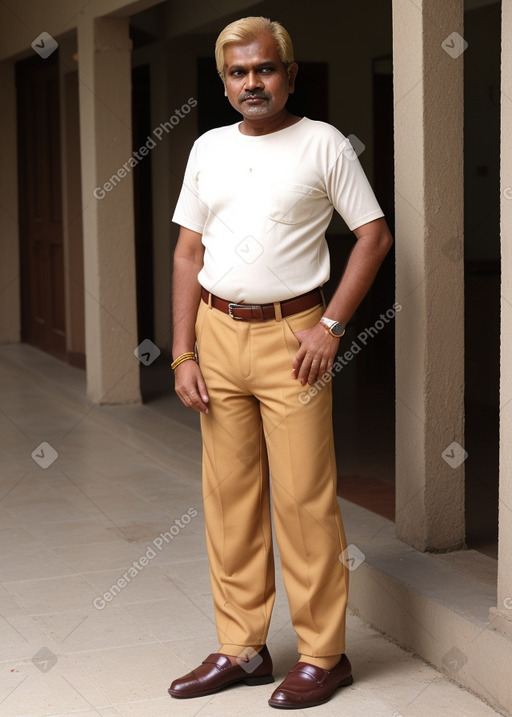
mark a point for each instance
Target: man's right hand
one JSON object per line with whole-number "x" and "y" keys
{"x": 190, "y": 386}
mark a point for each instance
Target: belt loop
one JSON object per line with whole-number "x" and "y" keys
{"x": 322, "y": 295}
{"x": 277, "y": 310}
{"x": 209, "y": 299}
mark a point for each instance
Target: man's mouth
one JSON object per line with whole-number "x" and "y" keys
{"x": 253, "y": 98}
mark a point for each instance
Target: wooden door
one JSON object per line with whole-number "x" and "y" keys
{"x": 41, "y": 241}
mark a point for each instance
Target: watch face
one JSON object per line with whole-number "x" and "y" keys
{"x": 338, "y": 329}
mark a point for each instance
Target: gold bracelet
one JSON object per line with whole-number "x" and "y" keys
{"x": 187, "y": 356}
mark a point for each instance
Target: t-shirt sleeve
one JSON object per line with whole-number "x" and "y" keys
{"x": 190, "y": 212}
{"x": 349, "y": 190}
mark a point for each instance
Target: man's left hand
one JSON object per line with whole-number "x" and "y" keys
{"x": 315, "y": 355}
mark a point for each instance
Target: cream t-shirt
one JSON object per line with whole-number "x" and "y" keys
{"x": 262, "y": 205}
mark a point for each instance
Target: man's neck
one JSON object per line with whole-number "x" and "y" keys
{"x": 257, "y": 127}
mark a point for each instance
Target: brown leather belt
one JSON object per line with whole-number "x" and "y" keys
{"x": 263, "y": 312}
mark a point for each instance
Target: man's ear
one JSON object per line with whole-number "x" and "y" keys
{"x": 292, "y": 70}
{"x": 221, "y": 75}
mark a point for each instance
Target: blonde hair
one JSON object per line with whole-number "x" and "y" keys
{"x": 246, "y": 29}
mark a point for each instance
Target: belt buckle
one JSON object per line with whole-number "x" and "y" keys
{"x": 232, "y": 306}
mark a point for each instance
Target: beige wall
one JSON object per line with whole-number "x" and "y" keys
{"x": 19, "y": 28}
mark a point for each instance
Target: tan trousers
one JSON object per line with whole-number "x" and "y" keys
{"x": 259, "y": 418}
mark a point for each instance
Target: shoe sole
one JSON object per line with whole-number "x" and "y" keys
{"x": 303, "y": 705}
{"x": 250, "y": 681}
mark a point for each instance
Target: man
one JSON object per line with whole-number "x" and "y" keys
{"x": 250, "y": 260}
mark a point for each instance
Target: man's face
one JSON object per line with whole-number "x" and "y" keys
{"x": 257, "y": 82}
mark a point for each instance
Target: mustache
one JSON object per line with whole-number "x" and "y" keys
{"x": 254, "y": 95}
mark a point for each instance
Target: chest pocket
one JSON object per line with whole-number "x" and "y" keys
{"x": 294, "y": 203}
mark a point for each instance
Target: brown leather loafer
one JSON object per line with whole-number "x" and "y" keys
{"x": 308, "y": 686}
{"x": 217, "y": 672}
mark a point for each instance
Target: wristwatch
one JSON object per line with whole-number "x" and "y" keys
{"x": 333, "y": 327}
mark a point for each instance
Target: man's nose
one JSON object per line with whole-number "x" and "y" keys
{"x": 253, "y": 80}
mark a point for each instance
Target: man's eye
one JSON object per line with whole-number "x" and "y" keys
{"x": 266, "y": 70}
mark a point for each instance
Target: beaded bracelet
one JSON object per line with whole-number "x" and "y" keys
{"x": 187, "y": 356}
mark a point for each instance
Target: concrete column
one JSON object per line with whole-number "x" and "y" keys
{"x": 10, "y": 317}
{"x": 104, "y": 51}
{"x": 428, "y": 83}
{"x": 502, "y": 616}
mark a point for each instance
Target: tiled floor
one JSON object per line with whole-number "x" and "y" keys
{"x": 105, "y": 595}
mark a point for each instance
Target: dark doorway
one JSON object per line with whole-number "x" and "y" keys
{"x": 482, "y": 277}
{"x": 379, "y": 360}
{"x": 142, "y": 202}
{"x": 40, "y": 205}
{"x": 369, "y": 428}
